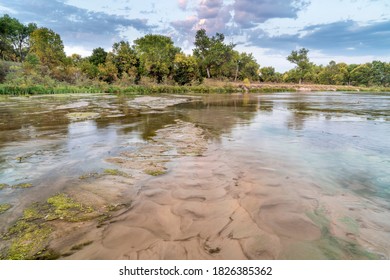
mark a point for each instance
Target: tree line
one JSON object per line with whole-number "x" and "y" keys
{"x": 35, "y": 55}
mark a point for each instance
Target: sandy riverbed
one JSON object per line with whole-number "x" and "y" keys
{"x": 207, "y": 206}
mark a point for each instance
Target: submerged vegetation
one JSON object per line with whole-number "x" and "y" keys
{"x": 333, "y": 247}
{"x": 33, "y": 61}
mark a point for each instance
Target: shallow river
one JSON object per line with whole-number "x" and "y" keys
{"x": 307, "y": 173}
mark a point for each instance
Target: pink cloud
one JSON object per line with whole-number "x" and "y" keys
{"x": 183, "y": 4}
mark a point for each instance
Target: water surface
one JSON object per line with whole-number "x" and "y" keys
{"x": 331, "y": 149}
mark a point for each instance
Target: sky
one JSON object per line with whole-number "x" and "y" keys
{"x": 351, "y": 31}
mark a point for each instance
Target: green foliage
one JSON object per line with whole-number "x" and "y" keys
{"x": 248, "y": 68}
{"x": 14, "y": 38}
{"x": 212, "y": 53}
{"x": 108, "y": 72}
{"x": 156, "y": 54}
{"x": 34, "y": 62}
{"x": 126, "y": 61}
{"x": 48, "y": 47}
{"x": 268, "y": 74}
{"x": 301, "y": 59}
{"x": 185, "y": 69}
{"x": 98, "y": 56}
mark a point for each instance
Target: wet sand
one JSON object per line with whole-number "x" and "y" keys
{"x": 215, "y": 206}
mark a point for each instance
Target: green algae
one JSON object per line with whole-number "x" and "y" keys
{"x": 95, "y": 175}
{"x": 115, "y": 172}
{"x": 65, "y": 208}
{"x": 22, "y": 186}
{"x": 29, "y": 236}
{"x": 155, "y": 172}
{"x": 4, "y": 207}
{"x": 3, "y": 186}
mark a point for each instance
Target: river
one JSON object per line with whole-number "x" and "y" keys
{"x": 283, "y": 175}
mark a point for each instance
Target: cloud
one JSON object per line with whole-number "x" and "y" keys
{"x": 347, "y": 36}
{"x": 76, "y": 26}
{"x": 183, "y": 4}
{"x": 249, "y": 13}
{"x": 212, "y": 15}
{"x": 233, "y": 18}
{"x": 338, "y": 38}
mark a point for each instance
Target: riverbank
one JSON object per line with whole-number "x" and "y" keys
{"x": 209, "y": 86}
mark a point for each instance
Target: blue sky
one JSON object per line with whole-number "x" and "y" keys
{"x": 352, "y": 31}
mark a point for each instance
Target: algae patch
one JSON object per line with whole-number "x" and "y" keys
{"x": 115, "y": 172}
{"x": 112, "y": 172}
{"x": 29, "y": 237}
{"x": 4, "y": 207}
{"x": 156, "y": 171}
{"x": 65, "y": 208}
{"x": 22, "y": 186}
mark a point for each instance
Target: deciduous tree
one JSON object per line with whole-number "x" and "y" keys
{"x": 302, "y": 62}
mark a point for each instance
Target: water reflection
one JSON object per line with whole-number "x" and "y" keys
{"x": 322, "y": 129}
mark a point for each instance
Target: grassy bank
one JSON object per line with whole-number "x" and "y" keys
{"x": 210, "y": 86}
{"x": 154, "y": 89}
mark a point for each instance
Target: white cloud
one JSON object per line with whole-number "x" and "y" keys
{"x": 69, "y": 50}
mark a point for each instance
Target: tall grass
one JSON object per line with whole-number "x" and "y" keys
{"x": 135, "y": 89}
{"x": 152, "y": 89}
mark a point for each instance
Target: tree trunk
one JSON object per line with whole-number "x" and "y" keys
{"x": 208, "y": 73}
{"x": 235, "y": 77}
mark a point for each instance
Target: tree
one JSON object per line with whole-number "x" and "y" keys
{"x": 248, "y": 68}
{"x": 268, "y": 74}
{"x": 212, "y": 53}
{"x": 202, "y": 50}
{"x": 98, "y": 56}
{"x": 14, "y": 38}
{"x": 126, "y": 60}
{"x": 48, "y": 47}
{"x": 361, "y": 75}
{"x": 380, "y": 74}
{"x": 156, "y": 54}
{"x": 302, "y": 61}
{"x": 185, "y": 69}
{"x": 108, "y": 72}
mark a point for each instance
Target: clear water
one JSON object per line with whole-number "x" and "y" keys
{"x": 337, "y": 141}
